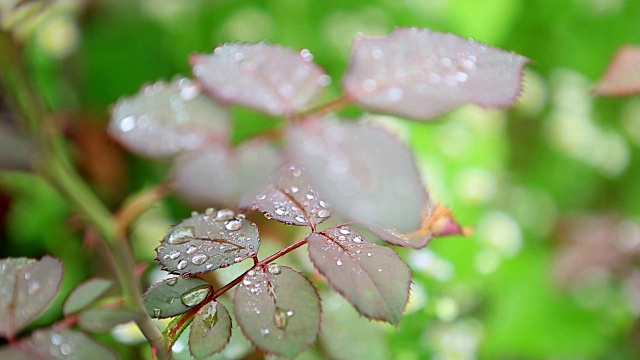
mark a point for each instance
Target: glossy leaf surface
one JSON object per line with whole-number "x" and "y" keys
{"x": 217, "y": 175}
{"x": 290, "y": 199}
{"x": 278, "y": 310}
{"x": 364, "y": 171}
{"x": 164, "y": 119}
{"x": 103, "y": 320}
{"x": 175, "y": 296}
{"x": 64, "y": 344}
{"x": 210, "y": 330}
{"x": 85, "y": 294}
{"x": 622, "y": 77}
{"x": 371, "y": 277}
{"x": 266, "y": 77}
{"x": 27, "y": 287}
{"x": 209, "y": 241}
{"x": 420, "y": 74}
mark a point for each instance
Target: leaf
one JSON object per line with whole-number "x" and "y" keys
{"x": 622, "y": 77}
{"x": 175, "y": 328}
{"x": 290, "y": 199}
{"x": 371, "y": 277}
{"x": 363, "y": 171}
{"x": 103, "y": 320}
{"x": 207, "y": 242}
{"x": 85, "y": 294}
{"x": 217, "y": 175}
{"x": 420, "y": 74}
{"x": 64, "y": 344}
{"x": 278, "y": 310}
{"x": 210, "y": 330}
{"x": 27, "y": 287}
{"x": 164, "y": 119}
{"x": 268, "y": 78}
{"x": 175, "y": 296}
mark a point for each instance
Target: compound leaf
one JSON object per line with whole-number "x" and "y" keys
{"x": 278, "y": 310}
{"x": 175, "y": 296}
{"x": 27, "y": 287}
{"x": 164, "y": 119}
{"x": 622, "y": 77}
{"x": 85, "y": 294}
{"x": 210, "y": 330}
{"x": 371, "y": 277}
{"x": 420, "y": 74}
{"x": 209, "y": 241}
{"x": 290, "y": 199}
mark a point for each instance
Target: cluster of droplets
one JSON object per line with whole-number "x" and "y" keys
{"x": 346, "y": 242}
{"x": 56, "y": 343}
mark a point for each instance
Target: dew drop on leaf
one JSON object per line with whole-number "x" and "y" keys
{"x": 199, "y": 259}
{"x": 280, "y": 318}
{"x": 181, "y": 264}
{"x": 172, "y": 281}
{"x": 274, "y": 269}
{"x": 225, "y": 214}
{"x": 210, "y": 318}
{"x": 195, "y": 296}
{"x": 181, "y": 235}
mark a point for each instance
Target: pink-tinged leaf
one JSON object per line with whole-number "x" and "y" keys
{"x": 210, "y": 330}
{"x": 364, "y": 171}
{"x": 85, "y": 294}
{"x": 278, "y": 310}
{"x": 371, "y": 277}
{"x": 217, "y": 175}
{"x": 420, "y": 74}
{"x": 164, "y": 119}
{"x": 175, "y": 296}
{"x": 64, "y": 344}
{"x": 290, "y": 199}
{"x": 268, "y": 78}
{"x": 27, "y": 287}
{"x": 622, "y": 77}
{"x": 207, "y": 242}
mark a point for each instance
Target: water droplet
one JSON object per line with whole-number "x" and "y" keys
{"x": 251, "y": 273}
{"x": 280, "y": 318}
{"x": 264, "y": 331}
{"x": 274, "y": 269}
{"x": 56, "y": 339}
{"x": 233, "y": 225}
{"x": 339, "y": 262}
{"x": 289, "y": 312}
{"x": 225, "y": 214}
{"x": 195, "y": 296}
{"x": 342, "y": 238}
{"x": 238, "y": 259}
{"x": 210, "y": 211}
{"x": 395, "y": 93}
{"x": 191, "y": 249}
{"x": 157, "y": 313}
{"x": 324, "y": 213}
{"x": 189, "y": 90}
{"x": 377, "y": 54}
{"x": 194, "y": 213}
{"x": 246, "y": 281}
{"x": 181, "y": 264}
{"x": 344, "y": 231}
{"x": 211, "y": 317}
{"x": 306, "y": 55}
{"x": 127, "y": 124}
{"x": 65, "y": 349}
{"x": 324, "y": 80}
{"x": 369, "y": 254}
{"x": 238, "y": 56}
{"x": 379, "y": 270}
{"x": 310, "y": 196}
{"x": 174, "y": 255}
{"x": 199, "y": 259}
{"x": 294, "y": 189}
{"x": 296, "y": 172}
{"x": 300, "y": 218}
{"x": 181, "y": 235}
{"x": 280, "y": 210}
{"x": 172, "y": 281}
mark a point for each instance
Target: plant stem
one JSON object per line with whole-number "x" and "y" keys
{"x": 138, "y": 204}
{"x": 328, "y": 108}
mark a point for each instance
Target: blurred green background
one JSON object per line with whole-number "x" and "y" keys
{"x": 550, "y": 185}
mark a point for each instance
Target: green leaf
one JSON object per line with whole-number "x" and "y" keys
{"x": 175, "y": 296}
{"x": 103, "y": 320}
{"x": 64, "y": 344}
{"x": 85, "y": 294}
{"x": 278, "y": 310}
{"x": 210, "y": 330}
{"x": 176, "y": 327}
{"x": 207, "y": 242}
{"x": 27, "y": 287}
{"x": 371, "y": 277}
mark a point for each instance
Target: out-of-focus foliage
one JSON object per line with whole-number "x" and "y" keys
{"x": 529, "y": 284}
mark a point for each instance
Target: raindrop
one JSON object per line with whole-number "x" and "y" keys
{"x": 127, "y": 124}
{"x": 238, "y": 57}
{"x": 289, "y": 312}
{"x": 233, "y": 225}
{"x": 181, "y": 235}
{"x": 199, "y": 259}
{"x": 339, "y": 263}
{"x": 324, "y": 213}
{"x": 344, "y": 231}
{"x": 246, "y": 281}
{"x": 306, "y": 55}
{"x": 310, "y": 196}
{"x": 172, "y": 281}
{"x": 34, "y": 288}
{"x": 274, "y": 269}
{"x": 65, "y": 349}
{"x": 225, "y": 214}
{"x": 294, "y": 189}
{"x": 188, "y": 90}
{"x": 238, "y": 259}
{"x": 181, "y": 264}
{"x": 264, "y": 331}
{"x": 395, "y": 93}
{"x": 174, "y": 255}
{"x": 56, "y": 339}
{"x": 191, "y": 249}
{"x": 211, "y": 317}
{"x": 280, "y": 210}
{"x": 296, "y": 173}
{"x": 195, "y": 296}
{"x": 369, "y": 254}
{"x": 280, "y": 318}
{"x": 261, "y": 196}
{"x": 210, "y": 211}
{"x": 324, "y": 80}
{"x": 357, "y": 240}
{"x": 300, "y": 218}
{"x": 157, "y": 313}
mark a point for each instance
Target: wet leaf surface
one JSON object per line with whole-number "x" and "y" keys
{"x": 27, "y": 287}
{"x": 210, "y": 330}
{"x": 217, "y": 175}
{"x": 64, "y": 344}
{"x": 103, "y": 320}
{"x": 371, "y": 277}
{"x": 85, "y": 294}
{"x": 364, "y": 171}
{"x": 290, "y": 199}
{"x": 209, "y": 241}
{"x": 268, "y": 78}
{"x": 278, "y": 310}
{"x": 175, "y": 296}
{"x": 164, "y": 119}
{"x": 622, "y": 77}
{"x": 420, "y": 74}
